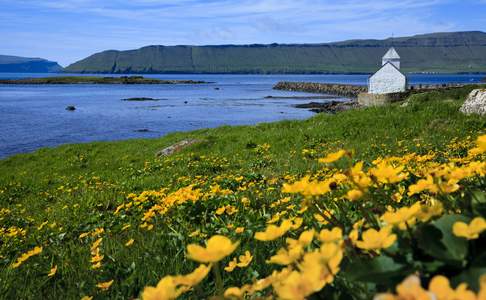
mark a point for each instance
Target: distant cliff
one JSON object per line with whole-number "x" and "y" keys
{"x": 437, "y": 52}
{"x": 16, "y": 64}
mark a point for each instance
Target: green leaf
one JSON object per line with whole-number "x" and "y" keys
{"x": 478, "y": 202}
{"x": 470, "y": 276}
{"x": 380, "y": 269}
{"x": 437, "y": 240}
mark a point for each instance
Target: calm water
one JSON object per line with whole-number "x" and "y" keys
{"x": 34, "y": 116}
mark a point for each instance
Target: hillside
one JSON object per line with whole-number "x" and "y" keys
{"x": 16, "y": 64}
{"x": 437, "y": 52}
{"x": 108, "y": 220}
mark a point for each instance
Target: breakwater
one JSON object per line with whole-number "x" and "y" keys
{"x": 345, "y": 90}
{"x": 352, "y": 91}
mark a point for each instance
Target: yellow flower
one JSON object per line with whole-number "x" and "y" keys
{"x": 331, "y": 236}
{"x": 104, "y": 285}
{"x": 193, "y": 278}
{"x": 423, "y": 185}
{"x": 218, "y": 247}
{"x": 376, "y": 240}
{"x": 234, "y": 292}
{"x": 332, "y": 157}
{"x": 96, "y": 244}
{"x": 231, "y": 265}
{"x": 309, "y": 188}
{"x": 87, "y": 298}
{"x": 319, "y": 267}
{"x": 403, "y": 217}
{"x": 52, "y": 272}
{"x": 386, "y": 173}
{"x": 359, "y": 177}
{"x": 221, "y": 210}
{"x": 166, "y": 289}
{"x": 129, "y": 243}
{"x": 409, "y": 289}
{"x": 239, "y": 230}
{"x": 440, "y": 287}
{"x": 296, "y": 223}
{"x": 36, "y": 251}
{"x": 245, "y": 259}
{"x": 286, "y": 257}
{"x": 273, "y": 232}
{"x": 430, "y": 210}
{"x": 242, "y": 262}
{"x": 354, "y": 195}
{"x": 471, "y": 231}
{"x": 294, "y": 287}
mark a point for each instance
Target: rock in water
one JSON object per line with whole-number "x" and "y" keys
{"x": 177, "y": 147}
{"x": 70, "y": 108}
{"x": 475, "y": 103}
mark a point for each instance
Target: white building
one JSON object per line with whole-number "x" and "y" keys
{"x": 388, "y": 79}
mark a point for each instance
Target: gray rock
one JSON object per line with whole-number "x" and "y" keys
{"x": 70, "y": 108}
{"x": 475, "y": 103}
{"x": 177, "y": 147}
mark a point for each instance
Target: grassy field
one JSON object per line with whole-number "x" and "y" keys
{"x": 113, "y": 211}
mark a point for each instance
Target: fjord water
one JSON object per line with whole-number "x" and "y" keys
{"x": 34, "y": 116}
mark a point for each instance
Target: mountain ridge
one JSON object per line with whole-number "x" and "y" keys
{"x": 18, "y": 64}
{"x": 437, "y": 52}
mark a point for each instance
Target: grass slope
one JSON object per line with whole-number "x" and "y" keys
{"x": 439, "y": 52}
{"x": 76, "y": 188}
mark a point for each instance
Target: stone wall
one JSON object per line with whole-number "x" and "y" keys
{"x": 367, "y": 99}
{"x": 345, "y": 90}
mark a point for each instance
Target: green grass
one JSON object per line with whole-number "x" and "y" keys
{"x": 101, "y": 175}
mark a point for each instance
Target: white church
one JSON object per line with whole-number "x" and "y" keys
{"x": 388, "y": 79}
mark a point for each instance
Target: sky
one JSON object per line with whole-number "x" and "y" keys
{"x": 69, "y": 30}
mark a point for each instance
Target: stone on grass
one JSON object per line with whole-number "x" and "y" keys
{"x": 177, "y": 147}
{"x": 475, "y": 103}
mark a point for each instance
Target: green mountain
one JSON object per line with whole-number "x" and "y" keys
{"x": 16, "y": 64}
{"x": 437, "y": 52}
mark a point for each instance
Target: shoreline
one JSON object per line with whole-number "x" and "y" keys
{"x": 97, "y": 80}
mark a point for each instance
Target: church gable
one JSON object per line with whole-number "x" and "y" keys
{"x": 387, "y": 80}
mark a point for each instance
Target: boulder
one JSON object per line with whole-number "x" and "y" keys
{"x": 177, "y": 147}
{"x": 475, "y": 103}
{"x": 70, "y": 108}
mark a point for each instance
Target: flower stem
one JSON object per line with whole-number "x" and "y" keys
{"x": 219, "y": 279}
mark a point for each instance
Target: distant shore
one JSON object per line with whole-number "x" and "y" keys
{"x": 97, "y": 80}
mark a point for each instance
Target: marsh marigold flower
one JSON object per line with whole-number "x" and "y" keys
{"x": 36, "y": 251}
{"x": 218, "y": 247}
{"x": 409, "y": 289}
{"x": 332, "y": 157}
{"x": 469, "y": 231}
{"x": 440, "y": 287}
{"x": 273, "y": 232}
{"x": 193, "y": 278}
{"x": 104, "y": 285}
{"x": 386, "y": 173}
{"x": 376, "y": 240}
{"x": 52, "y": 272}
{"x": 166, "y": 289}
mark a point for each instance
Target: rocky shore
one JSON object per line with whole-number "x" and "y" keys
{"x": 96, "y": 80}
{"x": 331, "y": 107}
{"x": 345, "y": 90}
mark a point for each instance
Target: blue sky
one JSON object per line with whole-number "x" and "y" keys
{"x": 69, "y": 30}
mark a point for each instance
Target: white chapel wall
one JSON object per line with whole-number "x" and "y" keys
{"x": 387, "y": 80}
